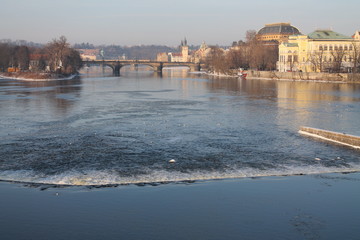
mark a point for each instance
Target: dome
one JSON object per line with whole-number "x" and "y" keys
{"x": 279, "y": 28}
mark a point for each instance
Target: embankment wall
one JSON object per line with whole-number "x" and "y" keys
{"x": 329, "y": 77}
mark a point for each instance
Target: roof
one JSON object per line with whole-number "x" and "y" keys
{"x": 327, "y": 34}
{"x": 291, "y": 44}
{"x": 176, "y": 54}
{"x": 279, "y": 28}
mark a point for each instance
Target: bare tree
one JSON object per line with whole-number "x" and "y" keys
{"x": 250, "y": 35}
{"x": 317, "y": 60}
{"x": 62, "y": 58}
{"x": 216, "y": 61}
{"x": 22, "y": 57}
{"x": 5, "y": 53}
{"x": 355, "y": 56}
{"x": 337, "y": 55}
{"x": 237, "y": 58}
{"x": 56, "y": 50}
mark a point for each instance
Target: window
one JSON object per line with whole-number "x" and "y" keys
{"x": 346, "y": 48}
{"x": 336, "y": 48}
{"x": 320, "y": 47}
{"x": 341, "y": 48}
{"x": 295, "y": 58}
{"x": 290, "y": 59}
{"x": 330, "y": 47}
{"x": 325, "y": 48}
{"x": 350, "y": 47}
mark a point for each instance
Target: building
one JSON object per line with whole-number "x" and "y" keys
{"x": 39, "y": 62}
{"x": 356, "y": 36}
{"x": 163, "y": 57}
{"x": 182, "y": 56}
{"x": 276, "y": 32}
{"x": 320, "y": 51}
{"x": 89, "y": 54}
{"x": 200, "y": 54}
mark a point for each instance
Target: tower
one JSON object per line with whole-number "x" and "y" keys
{"x": 185, "y": 50}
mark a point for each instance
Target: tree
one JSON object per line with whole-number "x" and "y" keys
{"x": 5, "y": 53}
{"x": 62, "y": 58}
{"x": 56, "y": 50}
{"x": 238, "y": 57}
{"x": 216, "y": 61}
{"x": 22, "y": 57}
{"x": 317, "y": 59}
{"x": 355, "y": 56}
{"x": 263, "y": 55}
{"x": 71, "y": 62}
{"x": 250, "y": 35}
{"x": 337, "y": 55}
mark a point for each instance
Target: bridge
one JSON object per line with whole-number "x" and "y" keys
{"x": 116, "y": 65}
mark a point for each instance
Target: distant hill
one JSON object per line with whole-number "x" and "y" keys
{"x": 135, "y": 52}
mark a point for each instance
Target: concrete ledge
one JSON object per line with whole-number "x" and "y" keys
{"x": 340, "y": 138}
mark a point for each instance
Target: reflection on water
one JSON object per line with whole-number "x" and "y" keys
{"x": 58, "y": 94}
{"x": 102, "y": 129}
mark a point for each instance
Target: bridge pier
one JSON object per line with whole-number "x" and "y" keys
{"x": 195, "y": 68}
{"x": 116, "y": 69}
{"x": 158, "y": 67}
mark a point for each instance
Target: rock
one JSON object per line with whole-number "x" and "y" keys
{"x": 172, "y": 161}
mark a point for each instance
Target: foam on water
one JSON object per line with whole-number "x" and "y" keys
{"x": 108, "y": 177}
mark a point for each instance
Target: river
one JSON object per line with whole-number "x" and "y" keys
{"x": 100, "y": 130}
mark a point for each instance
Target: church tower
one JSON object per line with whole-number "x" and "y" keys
{"x": 185, "y": 50}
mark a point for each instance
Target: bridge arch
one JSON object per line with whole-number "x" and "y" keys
{"x": 116, "y": 65}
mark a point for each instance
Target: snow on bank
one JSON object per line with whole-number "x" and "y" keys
{"x": 38, "y": 79}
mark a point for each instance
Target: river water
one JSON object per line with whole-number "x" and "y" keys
{"x": 99, "y": 130}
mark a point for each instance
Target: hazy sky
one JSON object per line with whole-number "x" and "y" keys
{"x": 167, "y": 22}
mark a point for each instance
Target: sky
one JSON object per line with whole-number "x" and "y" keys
{"x": 167, "y": 22}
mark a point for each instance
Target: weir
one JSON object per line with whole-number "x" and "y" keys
{"x": 335, "y": 137}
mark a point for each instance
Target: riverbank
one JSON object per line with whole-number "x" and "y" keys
{"x": 303, "y": 76}
{"x": 30, "y": 76}
{"x": 323, "y": 206}
{"x": 294, "y": 76}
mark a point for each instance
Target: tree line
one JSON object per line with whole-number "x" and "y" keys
{"x": 56, "y": 57}
{"x": 249, "y": 54}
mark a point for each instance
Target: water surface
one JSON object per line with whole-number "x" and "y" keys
{"x": 117, "y": 130}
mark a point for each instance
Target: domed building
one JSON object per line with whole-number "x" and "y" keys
{"x": 278, "y": 32}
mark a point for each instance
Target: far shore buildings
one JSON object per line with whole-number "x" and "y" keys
{"x": 185, "y": 55}
{"x": 89, "y": 54}
{"x": 182, "y": 56}
{"x": 319, "y": 51}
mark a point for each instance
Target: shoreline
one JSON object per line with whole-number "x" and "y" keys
{"x": 56, "y": 78}
{"x": 261, "y": 75}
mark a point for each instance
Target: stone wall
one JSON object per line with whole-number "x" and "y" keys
{"x": 336, "y": 77}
